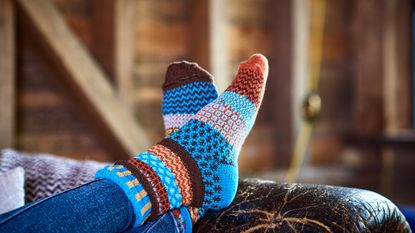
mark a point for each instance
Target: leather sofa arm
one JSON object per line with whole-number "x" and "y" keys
{"x": 264, "y": 206}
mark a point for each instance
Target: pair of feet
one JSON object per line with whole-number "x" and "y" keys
{"x": 196, "y": 164}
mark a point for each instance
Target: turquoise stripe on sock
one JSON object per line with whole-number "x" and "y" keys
{"x": 167, "y": 177}
{"x": 242, "y": 105}
{"x": 184, "y": 212}
{"x": 188, "y": 98}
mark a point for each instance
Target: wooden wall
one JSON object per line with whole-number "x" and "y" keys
{"x": 364, "y": 85}
{"x": 46, "y": 119}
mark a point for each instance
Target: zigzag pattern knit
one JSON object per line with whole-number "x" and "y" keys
{"x": 203, "y": 153}
{"x": 187, "y": 88}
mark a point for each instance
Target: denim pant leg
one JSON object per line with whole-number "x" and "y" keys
{"x": 98, "y": 206}
{"x": 163, "y": 224}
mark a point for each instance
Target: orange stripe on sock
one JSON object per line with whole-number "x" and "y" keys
{"x": 174, "y": 163}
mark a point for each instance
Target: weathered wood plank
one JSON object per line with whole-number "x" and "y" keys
{"x": 209, "y": 41}
{"x": 7, "y": 73}
{"x": 103, "y": 35}
{"x": 281, "y": 73}
{"x": 366, "y": 54}
{"x": 396, "y": 64}
{"x": 124, "y": 48}
{"x": 199, "y": 33}
{"x": 113, "y": 42}
{"x": 98, "y": 101}
{"x": 368, "y": 103}
{"x": 404, "y": 43}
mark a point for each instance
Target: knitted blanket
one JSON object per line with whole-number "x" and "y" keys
{"x": 46, "y": 175}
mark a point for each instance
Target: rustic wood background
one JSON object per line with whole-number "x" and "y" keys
{"x": 365, "y": 124}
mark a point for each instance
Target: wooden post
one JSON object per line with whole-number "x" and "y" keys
{"x": 209, "y": 43}
{"x": 397, "y": 79}
{"x": 366, "y": 45}
{"x": 97, "y": 100}
{"x": 7, "y": 73}
{"x": 113, "y": 42}
{"x": 300, "y": 59}
{"x": 125, "y": 50}
{"x": 368, "y": 115}
{"x": 281, "y": 79}
{"x": 200, "y": 33}
{"x": 396, "y": 64}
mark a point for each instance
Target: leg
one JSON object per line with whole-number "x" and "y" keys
{"x": 96, "y": 206}
{"x": 186, "y": 90}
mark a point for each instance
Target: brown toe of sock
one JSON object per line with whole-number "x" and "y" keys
{"x": 184, "y": 72}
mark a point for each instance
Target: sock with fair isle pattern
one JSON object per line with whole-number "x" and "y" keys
{"x": 196, "y": 165}
{"x": 187, "y": 88}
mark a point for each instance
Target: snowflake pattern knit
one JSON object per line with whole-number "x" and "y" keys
{"x": 197, "y": 164}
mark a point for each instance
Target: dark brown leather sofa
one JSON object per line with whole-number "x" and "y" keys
{"x": 259, "y": 206}
{"x": 264, "y": 206}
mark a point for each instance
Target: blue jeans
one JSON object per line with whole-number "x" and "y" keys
{"x": 98, "y": 206}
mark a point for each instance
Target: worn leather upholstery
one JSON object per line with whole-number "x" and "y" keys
{"x": 263, "y": 206}
{"x": 259, "y": 206}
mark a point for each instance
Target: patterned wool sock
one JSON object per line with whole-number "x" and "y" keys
{"x": 186, "y": 89}
{"x": 197, "y": 164}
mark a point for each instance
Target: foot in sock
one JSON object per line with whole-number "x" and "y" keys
{"x": 187, "y": 88}
{"x": 196, "y": 165}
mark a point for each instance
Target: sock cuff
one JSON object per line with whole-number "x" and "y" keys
{"x": 184, "y": 72}
{"x": 132, "y": 188}
{"x": 144, "y": 174}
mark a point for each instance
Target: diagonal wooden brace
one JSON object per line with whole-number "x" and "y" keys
{"x": 97, "y": 100}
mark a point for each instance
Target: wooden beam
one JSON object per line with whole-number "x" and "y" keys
{"x": 199, "y": 33}
{"x": 124, "y": 48}
{"x": 367, "y": 52}
{"x": 367, "y": 110}
{"x": 97, "y": 100}
{"x": 397, "y": 80}
{"x": 209, "y": 41}
{"x": 103, "y": 35}
{"x": 404, "y": 44}
{"x": 7, "y": 73}
{"x": 113, "y": 42}
{"x": 281, "y": 79}
{"x": 300, "y": 16}
{"x": 219, "y": 51}
{"x": 396, "y": 64}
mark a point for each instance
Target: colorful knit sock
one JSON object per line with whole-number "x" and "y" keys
{"x": 197, "y": 164}
{"x": 187, "y": 88}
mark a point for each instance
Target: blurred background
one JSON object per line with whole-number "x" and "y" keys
{"x": 82, "y": 78}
